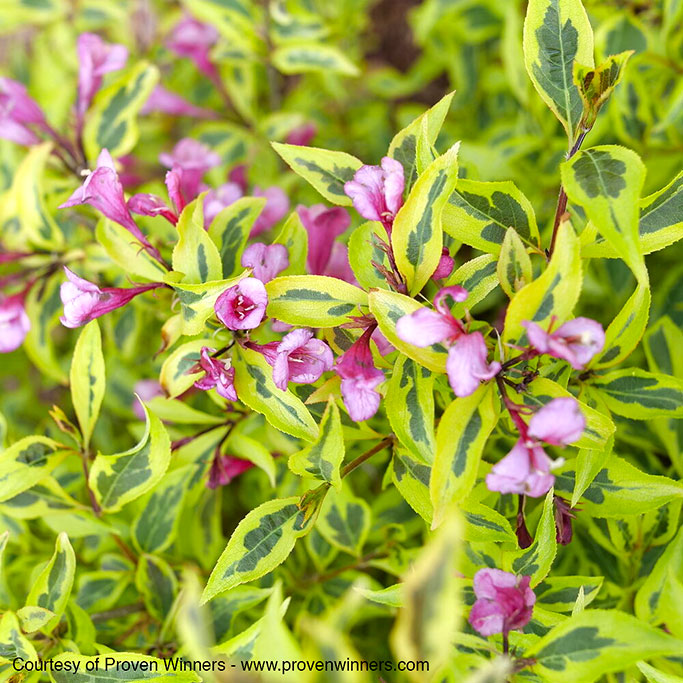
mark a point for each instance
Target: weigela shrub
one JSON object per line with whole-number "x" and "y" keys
{"x": 305, "y": 359}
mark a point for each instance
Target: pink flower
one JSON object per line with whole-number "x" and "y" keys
{"x": 216, "y": 200}
{"x": 445, "y": 265}
{"x": 266, "y": 260}
{"x": 95, "y": 58}
{"x": 243, "y": 306}
{"x": 219, "y": 375}
{"x": 103, "y": 191}
{"x": 84, "y": 301}
{"x": 302, "y": 135}
{"x": 323, "y": 226}
{"x": 467, "y": 364}
{"x": 359, "y": 378}
{"x": 301, "y": 358}
{"x": 577, "y": 341}
{"x": 167, "y": 102}
{"x": 526, "y": 468}
{"x": 146, "y": 389}
{"x": 14, "y": 323}
{"x": 18, "y": 112}
{"x": 146, "y": 204}
{"x": 194, "y": 39}
{"x": 190, "y": 160}
{"x": 276, "y": 208}
{"x": 377, "y": 191}
{"x": 504, "y": 603}
{"x": 224, "y": 468}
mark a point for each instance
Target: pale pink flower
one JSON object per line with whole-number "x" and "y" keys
{"x": 467, "y": 365}
{"x": 276, "y": 208}
{"x": 300, "y": 358}
{"x": 14, "y": 323}
{"x": 190, "y": 160}
{"x": 323, "y": 226}
{"x": 266, "y": 260}
{"x": 146, "y": 389}
{"x": 167, "y": 102}
{"x": 218, "y": 199}
{"x": 242, "y": 306}
{"x": 194, "y": 39}
{"x": 19, "y": 114}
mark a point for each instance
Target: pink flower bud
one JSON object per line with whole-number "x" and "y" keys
{"x": 323, "y": 225}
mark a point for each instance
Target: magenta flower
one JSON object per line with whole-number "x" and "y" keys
{"x": 243, "y": 306}
{"x": 300, "y": 358}
{"x": 167, "y": 102}
{"x": 95, "y": 58}
{"x": 359, "y": 378}
{"x": 505, "y": 602}
{"x": 19, "y": 113}
{"x": 467, "y": 364}
{"x": 266, "y": 260}
{"x": 14, "y": 323}
{"x": 193, "y": 39}
{"x": 323, "y": 226}
{"x": 302, "y": 135}
{"x": 224, "y": 468}
{"x": 526, "y": 468}
{"x": 445, "y": 265}
{"x": 276, "y": 208}
{"x": 146, "y": 389}
{"x": 216, "y": 200}
{"x": 84, "y": 301}
{"x": 577, "y": 341}
{"x": 145, "y": 204}
{"x": 377, "y": 191}
{"x": 190, "y": 160}
{"x": 219, "y": 375}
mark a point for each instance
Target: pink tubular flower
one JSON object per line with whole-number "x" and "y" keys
{"x": 95, "y": 58}
{"x": 167, "y": 102}
{"x": 359, "y": 378}
{"x": 84, "y": 301}
{"x": 302, "y": 135}
{"x": 219, "y": 375}
{"x": 323, "y": 226}
{"x": 145, "y": 204}
{"x": 224, "y": 468}
{"x": 14, "y": 323}
{"x": 505, "y": 602}
{"x": 194, "y": 39}
{"x": 190, "y": 160}
{"x": 19, "y": 111}
{"x": 377, "y": 191}
{"x": 243, "y": 306}
{"x": 301, "y": 358}
{"x": 445, "y": 265}
{"x": 276, "y": 208}
{"x": 577, "y": 341}
{"x": 266, "y": 260}
{"x": 467, "y": 364}
{"x": 526, "y": 468}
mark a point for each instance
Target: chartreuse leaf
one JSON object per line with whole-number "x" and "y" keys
{"x": 365, "y": 254}
{"x": 261, "y": 541}
{"x": 595, "y": 84}
{"x": 429, "y": 617}
{"x": 255, "y": 387}
{"x": 557, "y": 33}
{"x": 117, "y": 666}
{"x": 300, "y": 58}
{"x": 479, "y": 277}
{"x": 620, "y": 489}
{"x": 315, "y": 300}
{"x": 120, "y": 478}
{"x": 514, "y": 264}
{"x": 480, "y": 213}
{"x": 409, "y": 406}
{"x": 324, "y": 456}
{"x": 87, "y": 378}
{"x": 388, "y": 307}
{"x": 325, "y": 169}
{"x": 225, "y": 608}
{"x": 175, "y": 376}
{"x": 195, "y": 254}
{"x": 460, "y": 439}
{"x": 653, "y": 675}
{"x": 559, "y": 593}
{"x": 26, "y": 462}
{"x": 417, "y": 236}
{"x": 126, "y": 252}
{"x": 33, "y": 618}
{"x": 663, "y": 343}
{"x": 13, "y": 643}
{"x": 28, "y": 193}
{"x": 411, "y": 477}
{"x": 624, "y": 332}
{"x": 596, "y": 642}
{"x": 157, "y": 584}
{"x": 606, "y": 181}
{"x": 99, "y": 590}
{"x": 156, "y": 525}
{"x": 246, "y": 448}
{"x": 294, "y": 237}
{"x": 484, "y": 524}
{"x": 344, "y": 520}
{"x": 536, "y": 560}
{"x": 641, "y": 395}
{"x": 112, "y": 120}
{"x": 551, "y": 295}
{"x": 403, "y": 146}
{"x": 230, "y": 229}
{"x": 52, "y": 588}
